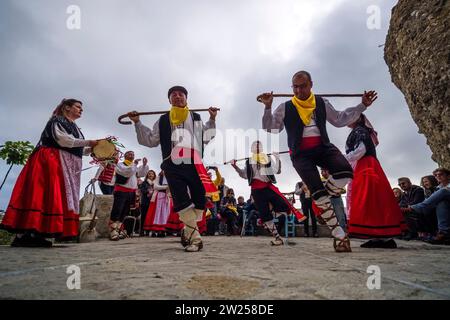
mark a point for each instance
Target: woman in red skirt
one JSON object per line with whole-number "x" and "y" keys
{"x": 373, "y": 211}
{"x": 159, "y": 209}
{"x": 45, "y": 198}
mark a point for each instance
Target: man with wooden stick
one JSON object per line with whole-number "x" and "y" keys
{"x": 305, "y": 118}
{"x": 182, "y": 136}
{"x": 260, "y": 172}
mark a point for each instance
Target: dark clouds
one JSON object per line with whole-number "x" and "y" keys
{"x": 127, "y": 54}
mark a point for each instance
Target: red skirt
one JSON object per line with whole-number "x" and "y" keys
{"x": 374, "y": 211}
{"x": 157, "y": 216}
{"x": 38, "y": 201}
{"x": 174, "y": 224}
{"x": 202, "y": 224}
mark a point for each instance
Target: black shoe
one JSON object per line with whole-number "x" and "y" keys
{"x": 316, "y": 235}
{"x": 31, "y": 242}
{"x": 390, "y": 244}
{"x": 307, "y": 235}
{"x": 372, "y": 243}
{"x": 380, "y": 243}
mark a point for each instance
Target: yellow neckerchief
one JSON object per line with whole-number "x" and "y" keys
{"x": 127, "y": 162}
{"x": 178, "y": 115}
{"x": 305, "y": 108}
{"x": 260, "y": 158}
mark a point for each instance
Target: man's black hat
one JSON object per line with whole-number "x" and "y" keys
{"x": 177, "y": 88}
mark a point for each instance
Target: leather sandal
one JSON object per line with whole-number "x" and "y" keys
{"x": 342, "y": 245}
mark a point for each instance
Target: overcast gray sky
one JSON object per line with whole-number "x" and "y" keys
{"x": 128, "y": 53}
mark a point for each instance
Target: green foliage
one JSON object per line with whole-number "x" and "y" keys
{"x": 5, "y": 237}
{"x": 16, "y": 152}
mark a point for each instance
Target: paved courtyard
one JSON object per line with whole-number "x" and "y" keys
{"x": 227, "y": 268}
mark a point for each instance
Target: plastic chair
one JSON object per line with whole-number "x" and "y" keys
{"x": 289, "y": 226}
{"x": 247, "y": 228}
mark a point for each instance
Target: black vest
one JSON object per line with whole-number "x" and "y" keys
{"x": 294, "y": 125}
{"x": 250, "y": 173}
{"x": 48, "y": 135}
{"x": 120, "y": 179}
{"x": 165, "y": 133}
{"x": 358, "y": 135}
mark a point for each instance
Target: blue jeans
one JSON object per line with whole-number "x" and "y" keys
{"x": 338, "y": 206}
{"x": 441, "y": 201}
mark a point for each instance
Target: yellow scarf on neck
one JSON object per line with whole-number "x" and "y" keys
{"x": 305, "y": 108}
{"x": 178, "y": 115}
{"x": 127, "y": 162}
{"x": 260, "y": 158}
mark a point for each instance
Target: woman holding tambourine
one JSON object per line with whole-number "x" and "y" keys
{"x": 45, "y": 198}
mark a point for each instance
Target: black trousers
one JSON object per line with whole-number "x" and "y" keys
{"x": 230, "y": 219}
{"x": 309, "y": 214}
{"x": 324, "y": 156}
{"x": 123, "y": 201}
{"x": 145, "y": 203}
{"x": 106, "y": 189}
{"x": 264, "y": 197}
{"x": 185, "y": 185}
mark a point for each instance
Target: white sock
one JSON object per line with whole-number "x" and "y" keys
{"x": 189, "y": 218}
{"x": 270, "y": 226}
{"x": 324, "y": 203}
{"x": 335, "y": 186}
{"x": 199, "y": 213}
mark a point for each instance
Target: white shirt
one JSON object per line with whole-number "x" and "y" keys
{"x": 150, "y": 137}
{"x": 263, "y": 172}
{"x": 338, "y": 119}
{"x": 130, "y": 172}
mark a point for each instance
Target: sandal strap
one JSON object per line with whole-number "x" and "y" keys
{"x": 332, "y": 216}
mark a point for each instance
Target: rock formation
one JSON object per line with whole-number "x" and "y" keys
{"x": 417, "y": 51}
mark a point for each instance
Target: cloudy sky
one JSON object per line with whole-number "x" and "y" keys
{"x": 126, "y": 55}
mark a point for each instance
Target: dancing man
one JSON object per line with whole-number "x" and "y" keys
{"x": 182, "y": 136}
{"x": 260, "y": 172}
{"x": 124, "y": 194}
{"x": 305, "y": 118}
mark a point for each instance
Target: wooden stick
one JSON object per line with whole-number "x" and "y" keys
{"x": 121, "y": 121}
{"x": 269, "y": 154}
{"x": 326, "y": 95}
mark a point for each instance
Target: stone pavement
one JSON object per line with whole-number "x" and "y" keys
{"x": 227, "y": 268}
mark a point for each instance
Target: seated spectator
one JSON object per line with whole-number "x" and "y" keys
{"x": 398, "y": 193}
{"x": 240, "y": 208}
{"x": 441, "y": 201}
{"x": 219, "y": 182}
{"x": 429, "y": 185}
{"x": 412, "y": 195}
{"x": 252, "y": 214}
{"x": 229, "y": 212}
{"x": 428, "y": 221}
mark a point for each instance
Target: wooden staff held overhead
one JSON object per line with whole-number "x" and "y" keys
{"x": 325, "y": 95}
{"x": 121, "y": 121}
{"x": 269, "y": 154}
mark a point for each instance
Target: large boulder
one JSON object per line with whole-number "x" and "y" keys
{"x": 104, "y": 205}
{"x": 417, "y": 51}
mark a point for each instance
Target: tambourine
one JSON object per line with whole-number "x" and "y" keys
{"x": 107, "y": 151}
{"x": 104, "y": 150}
